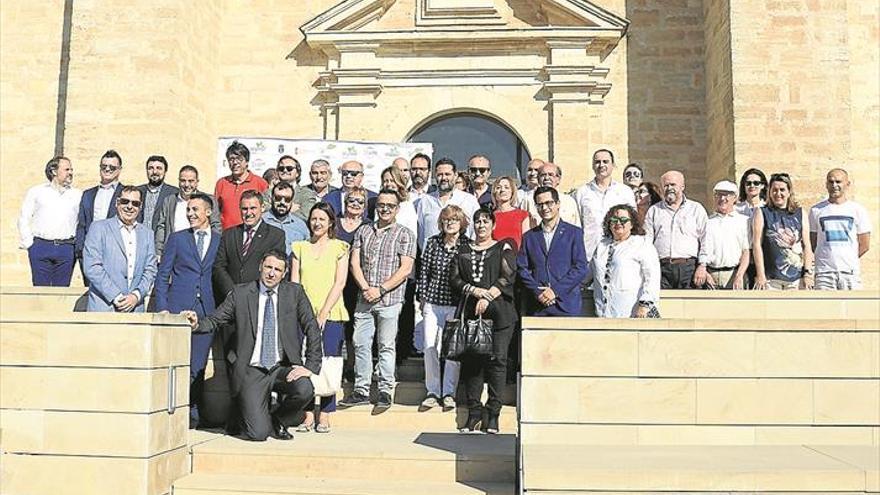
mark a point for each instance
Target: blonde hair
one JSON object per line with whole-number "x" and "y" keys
{"x": 453, "y": 211}
{"x": 512, "y": 183}
{"x": 399, "y": 181}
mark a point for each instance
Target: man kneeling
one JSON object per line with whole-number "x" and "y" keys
{"x": 273, "y": 319}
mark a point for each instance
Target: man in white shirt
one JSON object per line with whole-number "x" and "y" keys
{"x": 550, "y": 175}
{"x": 596, "y": 197}
{"x": 419, "y": 171}
{"x": 724, "y": 256}
{"x": 526, "y": 195}
{"x": 480, "y": 169}
{"x": 173, "y": 214}
{"x": 840, "y": 231}
{"x": 47, "y": 225}
{"x": 429, "y": 206}
{"x": 677, "y": 226}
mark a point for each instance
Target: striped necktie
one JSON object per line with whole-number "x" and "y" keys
{"x": 200, "y": 243}
{"x": 248, "y": 237}
{"x": 268, "y": 351}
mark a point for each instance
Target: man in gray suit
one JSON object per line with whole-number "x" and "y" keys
{"x": 273, "y": 319}
{"x": 172, "y": 211}
{"x": 119, "y": 258}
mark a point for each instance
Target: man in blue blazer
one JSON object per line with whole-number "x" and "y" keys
{"x": 352, "y": 176}
{"x": 552, "y": 263}
{"x": 98, "y": 203}
{"x": 119, "y": 258}
{"x": 184, "y": 284}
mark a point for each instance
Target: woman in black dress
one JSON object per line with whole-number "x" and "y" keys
{"x": 484, "y": 271}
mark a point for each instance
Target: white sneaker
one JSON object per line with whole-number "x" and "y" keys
{"x": 430, "y": 402}
{"x": 448, "y": 403}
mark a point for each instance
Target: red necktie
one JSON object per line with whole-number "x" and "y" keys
{"x": 249, "y": 236}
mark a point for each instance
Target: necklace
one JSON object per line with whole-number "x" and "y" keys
{"x": 477, "y": 266}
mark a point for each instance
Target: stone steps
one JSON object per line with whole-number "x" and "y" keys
{"x": 441, "y": 457}
{"x": 411, "y": 418}
{"x": 215, "y": 484}
{"x": 686, "y": 469}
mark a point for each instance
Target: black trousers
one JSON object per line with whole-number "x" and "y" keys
{"x": 678, "y": 275}
{"x": 492, "y": 370}
{"x": 293, "y": 397}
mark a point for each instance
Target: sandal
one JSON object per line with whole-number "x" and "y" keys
{"x": 319, "y": 428}
{"x": 305, "y": 427}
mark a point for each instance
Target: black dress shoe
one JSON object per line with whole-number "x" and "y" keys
{"x": 279, "y": 431}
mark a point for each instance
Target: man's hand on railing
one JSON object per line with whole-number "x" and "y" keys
{"x": 191, "y": 317}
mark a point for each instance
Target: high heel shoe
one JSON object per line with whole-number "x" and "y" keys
{"x": 491, "y": 424}
{"x": 473, "y": 421}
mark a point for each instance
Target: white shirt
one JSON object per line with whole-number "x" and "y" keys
{"x": 593, "y": 204}
{"x": 207, "y": 240}
{"x": 129, "y": 242}
{"x": 102, "y": 200}
{"x": 428, "y": 211}
{"x": 726, "y": 238}
{"x": 837, "y": 227}
{"x": 549, "y": 234}
{"x": 49, "y": 213}
{"x": 676, "y": 233}
{"x": 634, "y": 276}
{"x": 258, "y": 343}
{"x": 180, "y": 220}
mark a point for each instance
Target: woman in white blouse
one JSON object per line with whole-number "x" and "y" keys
{"x": 626, "y": 268}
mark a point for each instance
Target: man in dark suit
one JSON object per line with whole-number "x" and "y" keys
{"x": 274, "y": 319}
{"x": 352, "y": 176}
{"x": 155, "y": 191}
{"x": 98, "y": 203}
{"x": 238, "y": 261}
{"x": 552, "y": 263}
{"x": 184, "y": 283}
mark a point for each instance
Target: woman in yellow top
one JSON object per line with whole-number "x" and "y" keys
{"x": 312, "y": 263}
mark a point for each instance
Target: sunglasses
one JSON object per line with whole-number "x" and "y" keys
{"x": 282, "y": 199}
{"x": 126, "y": 202}
{"x": 110, "y": 168}
{"x": 632, "y": 173}
{"x": 618, "y": 220}
{"x": 350, "y": 173}
{"x": 286, "y": 169}
{"x": 754, "y": 183}
{"x": 478, "y": 171}
{"x": 355, "y": 201}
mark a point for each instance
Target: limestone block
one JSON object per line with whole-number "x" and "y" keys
{"x": 579, "y": 353}
{"x": 96, "y": 434}
{"x": 91, "y": 389}
{"x": 556, "y": 433}
{"x": 846, "y": 402}
{"x": 608, "y": 400}
{"x": 754, "y": 401}
{"x": 696, "y": 354}
{"x": 824, "y": 435}
{"x": 129, "y": 345}
{"x": 867, "y": 459}
{"x": 52, "y": 474}
{"x": 827, "y": 354}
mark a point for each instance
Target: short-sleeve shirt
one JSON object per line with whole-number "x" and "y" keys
{"x": 837, "y": 227}
{"x": 380, "y": 252}
{"x": 228, "y": 193}
{"x": 316, "y": 274}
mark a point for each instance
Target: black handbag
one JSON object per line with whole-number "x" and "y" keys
{"x": 461, "y": 336}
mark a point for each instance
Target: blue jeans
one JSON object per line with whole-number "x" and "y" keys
{"x": 379, "y": 322}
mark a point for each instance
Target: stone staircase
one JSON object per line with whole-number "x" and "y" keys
{"x": 400, "y": 451}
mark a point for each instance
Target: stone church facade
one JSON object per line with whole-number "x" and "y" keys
{"x": 709, "y": 87}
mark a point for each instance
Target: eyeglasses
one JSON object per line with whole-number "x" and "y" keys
{"x": 351, "y": 173}
{"x": 449, "y": 221}
{"x": 355, "y": 201}
{"x": 546, "y": 204}
{"x": 478, "y": 171}
{"x": 236, "y": 159}
{"x": 283, "y": 199}
{"x": 754, "y": 183}
{"x": 386, "y": 206}
{"x": 109, "y": 168}
{"x": 632, "y": 173}
{"x": 126, "y": 202}
{"x": 289, "y": 168}
{"x": 618, "y": 220}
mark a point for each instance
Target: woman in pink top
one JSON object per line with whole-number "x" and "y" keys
{"x": 510, "y": 221}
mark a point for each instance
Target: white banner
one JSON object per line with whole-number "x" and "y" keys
{"x": 265, "y": 153}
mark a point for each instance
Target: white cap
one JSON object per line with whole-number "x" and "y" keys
{"x": 726, "y": 186}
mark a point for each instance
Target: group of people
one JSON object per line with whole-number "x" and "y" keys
{"x": 287, "y": 274}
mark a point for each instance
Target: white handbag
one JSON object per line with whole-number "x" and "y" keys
{"x": 329, "y": 381}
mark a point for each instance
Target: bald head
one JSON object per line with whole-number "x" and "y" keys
{"x": 837, "y": 184}
{"x": 402, "y": 166}
{"x": 352, "y": 173}
{"x": 672, "y": 183}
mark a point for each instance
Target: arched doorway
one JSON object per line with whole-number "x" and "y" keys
{"x": 462, "y": 135}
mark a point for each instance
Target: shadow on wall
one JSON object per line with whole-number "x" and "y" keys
{"x": 666, "y": 88}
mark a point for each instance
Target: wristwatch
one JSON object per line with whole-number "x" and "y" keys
{"x": 382, "y": 291}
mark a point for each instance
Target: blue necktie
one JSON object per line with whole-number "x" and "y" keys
{"x": 200, "y": 243}
{"x": 268, "y": 354}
